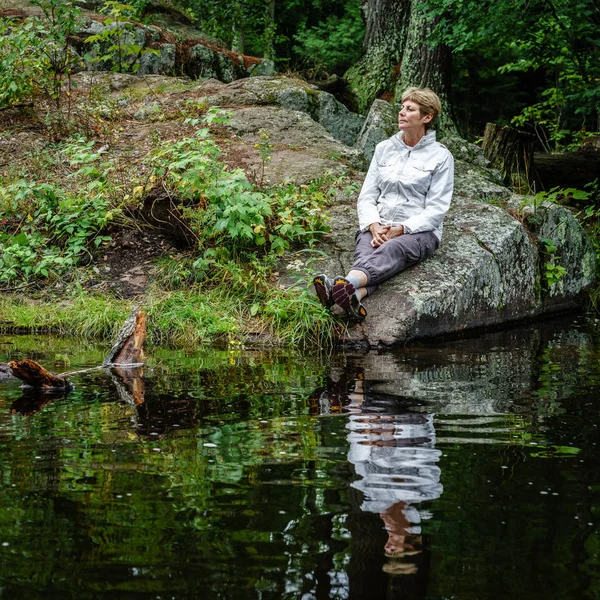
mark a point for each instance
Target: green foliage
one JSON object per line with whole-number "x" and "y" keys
{"x": 556, "y": 195}
{"x": 49, "y": 228}
{"x": 36, "y": 57}
{"x": 61, "y": 21}
{"x": 116, "y": 45}
{"x": 23, "y": 73}
{"x": 265, "y": 151}
{"x": 334, "y": 44}
{"x": 552, "y": 271}
{"x": 243, "y": 25}
{"x": 222, "y": 208}
{"x": 554, "y": 45}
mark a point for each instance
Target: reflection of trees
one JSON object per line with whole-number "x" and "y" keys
{"x": 254, "y": 495}
{"x": 181, "y": 507}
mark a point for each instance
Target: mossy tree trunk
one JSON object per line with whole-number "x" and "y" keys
{"x": 375, "y": 72}
{"x": 511, "y": 152}
{"x": 396, "y": 56}
{"x": 426, "y": 66}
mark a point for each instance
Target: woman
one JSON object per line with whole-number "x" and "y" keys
{"x": 401, "y": 206}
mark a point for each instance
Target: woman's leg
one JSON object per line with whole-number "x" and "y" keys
{"x": 379, "y": 264}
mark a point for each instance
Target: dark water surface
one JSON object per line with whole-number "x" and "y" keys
{"x": 457, "y": 470}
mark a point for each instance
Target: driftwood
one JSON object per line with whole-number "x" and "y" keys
{"x": 127, "y": 350}
{"x": 130, "y": 384}
{"x": 33, "y": 400}
{"x": 128, "y": 347}
{"x": 511, "y": 152}
{"x": 35, "y": 376}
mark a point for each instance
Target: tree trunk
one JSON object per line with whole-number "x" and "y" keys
{"x": 374, "y": 75}
{"x": 270, "y": 31}
{"x": 423, "y": 66}
{"x": 511, "y": 152}
{"x": 566, "y": 170}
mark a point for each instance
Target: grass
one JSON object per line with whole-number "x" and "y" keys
{"x": 182, "y": 318}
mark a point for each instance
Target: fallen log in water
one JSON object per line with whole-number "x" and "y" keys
{"x": 127, "y": 350}
{"x": 34, "y": 375}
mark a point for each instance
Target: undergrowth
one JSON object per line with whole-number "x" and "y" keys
{"x": 224, "y": 289}
{"x": 181, "y": 318}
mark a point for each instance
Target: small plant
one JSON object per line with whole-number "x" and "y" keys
{"x": 265, "y": 152}
{"x": 23, "y": 73}
{"x": 116, "y": 45}
{"x": 553, "y": 272}
{"x": 49, "y": 228}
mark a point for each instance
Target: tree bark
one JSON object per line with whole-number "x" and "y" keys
{"x": 128, "y": 347}
{"x": 566, "y": 170}
{"x": 424, "y": 66}
{"x": 375, "y": 73}
{"x": 511, "y": 152}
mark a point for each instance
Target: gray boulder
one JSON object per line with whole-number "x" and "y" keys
{"x": 301, "y": 149}
{"x": 131, "y": 40}
{"x": 291, "y": 94}
{"x": 343, "y": 124}
{"x": 265, "y": 67}
{"x": 158, "y": 62}
{"x": 489, "y": 269}
{"x": 380, "y": 124}
{"x": 203, "y": 61}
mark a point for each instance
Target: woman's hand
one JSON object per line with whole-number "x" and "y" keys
{"x": 396, "y": 231}
{"x": 379, "y": 233}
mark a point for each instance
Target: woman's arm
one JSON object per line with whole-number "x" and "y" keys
{"x": 437, "y": 200}
{"x": 369, "y": 194}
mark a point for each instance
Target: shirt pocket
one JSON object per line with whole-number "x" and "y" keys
{"x": 419, "y": 177}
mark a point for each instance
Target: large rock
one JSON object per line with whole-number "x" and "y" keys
{"x": 161, "y": 60}
{"x": 301, "y": 149}
{"x": 292, "y": 94}
{"x": 488, "y": 271}
{"x": 380, "y": 124}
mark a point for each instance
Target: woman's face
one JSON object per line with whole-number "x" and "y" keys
{"x": 410, "y": 119}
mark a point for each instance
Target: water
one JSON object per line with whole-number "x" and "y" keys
{"x": 463, "y": 470}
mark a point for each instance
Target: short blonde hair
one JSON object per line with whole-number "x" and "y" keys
{"x": 428, "y": 101}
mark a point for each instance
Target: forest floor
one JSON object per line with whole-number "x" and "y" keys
{"x": 103, "y": 124}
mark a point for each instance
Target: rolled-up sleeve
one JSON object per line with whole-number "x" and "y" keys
{"x": 369, "y": 194}
{"x": 437, "y": 200}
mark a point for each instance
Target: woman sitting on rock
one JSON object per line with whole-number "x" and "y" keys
{"x": 401, "y": 206}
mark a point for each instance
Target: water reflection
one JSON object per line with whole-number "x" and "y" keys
{"x": 392, "y": 450}
{"x": 236, "y": 478}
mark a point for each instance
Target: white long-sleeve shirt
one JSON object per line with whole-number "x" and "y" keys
{"x": 408, "y": 185}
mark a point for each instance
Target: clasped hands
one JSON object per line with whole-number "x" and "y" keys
{"x": 383, "y": 233}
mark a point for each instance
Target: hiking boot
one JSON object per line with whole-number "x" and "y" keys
{"x": 322, "y": 285}
{"x": 344, "y": 295}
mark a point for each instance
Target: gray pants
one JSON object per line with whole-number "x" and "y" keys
{"x": 397, "y": 254}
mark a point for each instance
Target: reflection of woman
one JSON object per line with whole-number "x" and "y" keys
{"x": 396, "y": 461}
{"x": 395, "y": 457}
{"x": 401, "y": 207}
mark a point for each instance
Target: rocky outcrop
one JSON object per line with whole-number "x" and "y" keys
{"x": 488, "y": 271}
{"x": 290, "y": 94}
{"x": 490, "y": 268}
{"x": 148, "y": 50}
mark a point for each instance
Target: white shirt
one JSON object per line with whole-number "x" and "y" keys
{"x": 408, "y": 185}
